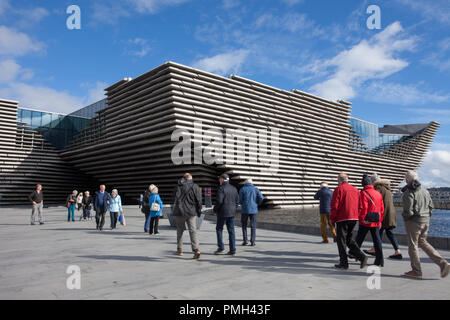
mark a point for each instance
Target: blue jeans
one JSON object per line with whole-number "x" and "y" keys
{"x": 147, "y": 222}
{"x": 244, "y": 220}
{"x": 391, "y": 236}
{"x": 229, "y": 221}
{"x": 71, "y": 212}
{"x": 375, "y": 232}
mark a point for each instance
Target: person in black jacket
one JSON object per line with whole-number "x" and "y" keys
{"x": 227, "y": 201}
{"x": 187, "y": 205}
{"x": 87, "y": 205}
{"x": 145, "y": 208}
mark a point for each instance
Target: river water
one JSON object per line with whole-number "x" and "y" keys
{"x": 439, "y": 223}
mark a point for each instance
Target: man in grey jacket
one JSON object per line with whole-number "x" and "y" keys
{"x": 417, "y": 209}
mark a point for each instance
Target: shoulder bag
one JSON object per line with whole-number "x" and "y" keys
{"x": 373, "y": 217}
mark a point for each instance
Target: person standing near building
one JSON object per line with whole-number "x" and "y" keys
{"x": 37, "y": 201}
{"x": 80, "y": 202}
{"x": 115, "y": 207}
{"x": 101, "y": 203}
{"x": 389, "y": 223}
{"x": 187, "y": 205}
{"x": 371, "y": 213}
{"x": 417, "y": 210}
{"x": 344, "y": 213}
{"x": 156, "y": 206}
{"x": 71, "y": 203}
{"x": 87, "y": 205}
{"x": 249, "y": 198}
{"x": 324, "y": 195}
{"x": 145, "y": 208}
{"x": 227, "y": 201}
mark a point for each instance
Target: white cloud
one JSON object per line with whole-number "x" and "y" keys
{"x": 435, "y": 11}
{"x": 228, "y": 4}
{"x": 292, "y": 2}
{"x": 368, "y": 60}
{"x": 435, "y": 170}
{"x": 9, "y": 71}
{"x": 429, "y": 114}
{"x": 153, "y": 6}
{"x": 96, "y": 92}
{"x": 141, "y": 47}
{"x": 440, "y": 57}
{"x": 41, "y": 97}
{"x": 223, "y": 63}
{"x": 16, "y": 43}
{"x": 49, "y": 99}
{"x": 395, "y": 93}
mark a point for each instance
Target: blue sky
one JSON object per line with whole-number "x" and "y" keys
{"x": 398, "y": 74}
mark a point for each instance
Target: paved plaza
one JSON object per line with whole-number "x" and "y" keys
{"x": 128, "y": 264}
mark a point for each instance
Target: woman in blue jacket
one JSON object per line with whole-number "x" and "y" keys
{"x": 115, "y": 207}
{"x": 154, "y": 214}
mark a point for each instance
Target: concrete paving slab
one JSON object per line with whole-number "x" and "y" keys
{"x": 128, "y": 264}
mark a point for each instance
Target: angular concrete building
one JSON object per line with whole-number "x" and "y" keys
{"x": 174, "y": 119}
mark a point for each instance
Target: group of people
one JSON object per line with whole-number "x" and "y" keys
{"x": 101, "y": 203}
{"x": 372, "y": 209}
{"x": 188, "y": 205}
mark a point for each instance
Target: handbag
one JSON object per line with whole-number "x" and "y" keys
{"x": 122, "y": 219}
{"x": 372, "y": 216}
{"x": 155, "y": 206}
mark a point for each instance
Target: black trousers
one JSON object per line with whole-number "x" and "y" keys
{"x": 113, "y": 216}
{"x": 154, "y": 225}
{"x": 344, "y": 238}
{"x": 100, "y": 218}
{"x": 375, "y": 232}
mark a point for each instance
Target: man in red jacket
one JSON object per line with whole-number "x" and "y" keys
{"x": 345, "y": 213}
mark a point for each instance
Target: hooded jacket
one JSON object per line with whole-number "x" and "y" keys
{"x": 417, "y": 203}
{"x": 367, "y": 195}
{"x": 383, "y": 186}
{"x": 187, "y": 199}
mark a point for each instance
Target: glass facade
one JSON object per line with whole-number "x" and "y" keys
{"x": 91, "y": 110}
{"x": 57, "y": 129}
{"x": 375, "y": 141}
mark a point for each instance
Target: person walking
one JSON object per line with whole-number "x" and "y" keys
{"x": 37, "y": 201}
{"x": 344, "y": 214}
{"x": 115, "y": 207}
{"x": 80, "y": 201}
{"x": 156, "y": 206}
{"x": 145, "y": 208}
{"x": 227, "y": 201}
{"x": 101, "y": 203}
{"x": 389, "y": 222}
{"x": 187, "y": 205}
{"x": 324, "y": 195}
{"x": 87, "y": 205}
{"x": 417, "y": 210}
{"x": 71, "y": 203}
{"x": 371, "y": 211}
{"x": 249, "y": 198}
